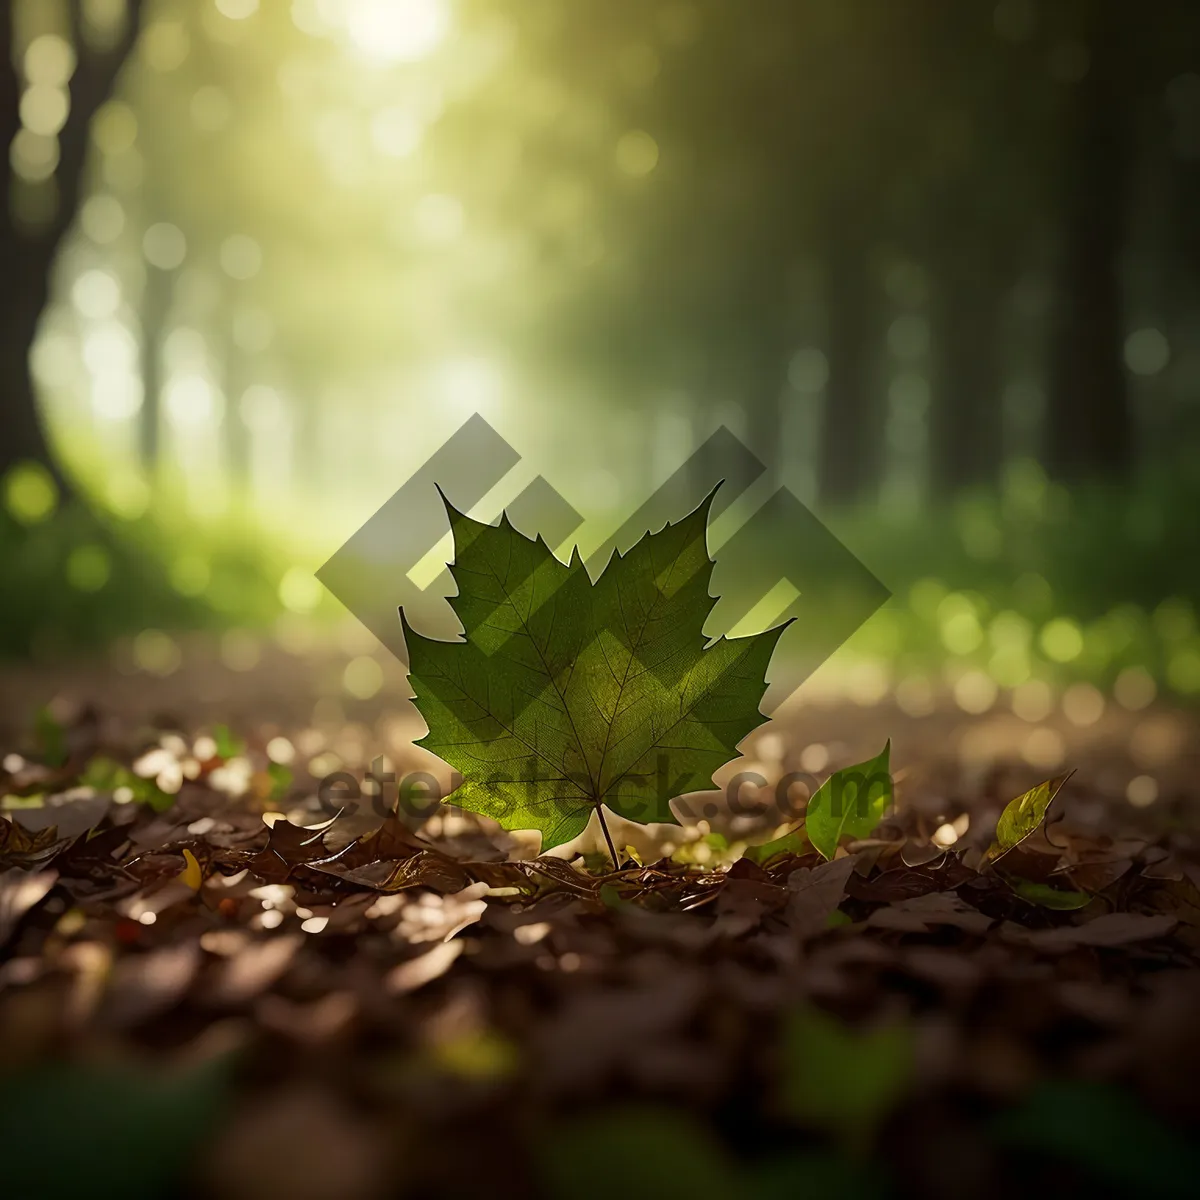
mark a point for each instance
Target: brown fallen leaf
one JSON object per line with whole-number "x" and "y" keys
{"x": 743, "y": 903}
{"x": 814, "y": 894}
{"x": 920, "y": 913}
{"x": 1096, "y": 876}
{"x": 1112, "y": 929}
{"x": 562, "y": 873}
{"x": 19, "y": 892}
{"x": 902, "y": 883}
{"x": 288, "y": 847}
{"x": 24, "y": 847}
{"x": 427, "y": 967}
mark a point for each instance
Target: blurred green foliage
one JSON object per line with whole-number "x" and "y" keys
{"x": 76, "y": 580}
{"x": 107, "y": 1132}
{"x": 1030, "y": 582}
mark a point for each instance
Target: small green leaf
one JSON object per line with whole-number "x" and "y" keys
{"x": 281, "y": 780}
{"x": 612, "y": 898}
{"x": 104, "y": 775}
{"x": 795, "y": 841}
{"x": 1023, "y": 817}
{"x": 51, "y": 738}
{"x": 1045, "y": 896}
{"x": 228, "y": 745}
{"x": 842, "y": 1080}
{"x": 851, "y": 802}
{"x": 15, "y": 803}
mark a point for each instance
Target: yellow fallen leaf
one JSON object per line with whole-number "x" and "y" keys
{"x": 191, "y": 874}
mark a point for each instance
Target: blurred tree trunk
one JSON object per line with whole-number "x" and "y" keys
{"x": 27, "y": 254}
{"x": 156, "y": 303}
{"x": 763, "y": 374}
{"x": 851, "y": 435}
{"x": 1089, "y": 426}
{"x": 966, "y": 425}
{"x": 764, "y": 412}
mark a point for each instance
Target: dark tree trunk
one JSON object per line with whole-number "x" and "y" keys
{"x": 966, "y": 423}
{"x": 26, "y": 257}
{"x": 1089, "y": 428}
{"x": 24, "y": 290}
{"x": 851, "y": 433}
{"x": 21, "y": 436}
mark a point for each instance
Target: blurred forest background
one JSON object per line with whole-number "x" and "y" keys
{"x": 937, "y": 262}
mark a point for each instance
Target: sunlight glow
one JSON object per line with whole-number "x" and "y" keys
{"x": 397, "y": 30}
{"x": 470, "y": 385}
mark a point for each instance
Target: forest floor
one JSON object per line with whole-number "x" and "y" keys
{"x": 204, "y": 994}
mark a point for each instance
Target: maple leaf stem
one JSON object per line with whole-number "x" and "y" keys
{"x": 608, "y": 838}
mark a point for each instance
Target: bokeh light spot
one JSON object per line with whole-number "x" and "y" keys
{"x": 1147, "y": 352}
{"x": 396, "y": 30}
{"x": 808, "y": 370}
{"x": 96, "y": 294}
{"x": 395, "y": 131}
{"x": 908, "y": 336}
{"x": 237, "y": 10}
{"x": 156, "y": 653}
{"x": 211, "y": 109}
{"x": 89, "y": 568}
{"x": 164, "y": 45}
{"x": 102, "y": 219}
{"x": 975, "y": 692}
{"x": 1044, "y": 749}
{"x": 1142, "y": 791}
{"x": 1032, "y": 701}
{"x": 363, "y": 677}
{"x": 241, "y": 257}
{"x": 636, "y": 153}
{"x": 1183, "y": 671}
{"x": 1061, "y": 640}
{"x": 164, "y": 246}
{"x": 1135, "y": 688}
{"x": 190, "y": 575}
{"x": 30, "y": 494}
{"x": 114, "y": 128}
{"x": 45, "y": 108}
{"x": 49, "y": 60}
{"x": 1083, "y": 704}
{"x": 240, "y": 650}
{"x": 299, "y": 591}
{"x": 33, "y": 156}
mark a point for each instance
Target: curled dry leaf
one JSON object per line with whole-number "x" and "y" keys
{"x": 20, "y": 891}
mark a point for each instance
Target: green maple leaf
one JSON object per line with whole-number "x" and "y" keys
{"x": 567, "y": 694}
